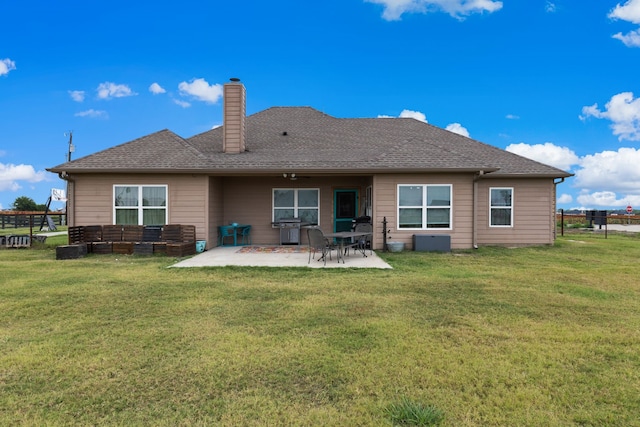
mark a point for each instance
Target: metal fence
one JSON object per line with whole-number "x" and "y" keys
{"x": 593, "y": 220}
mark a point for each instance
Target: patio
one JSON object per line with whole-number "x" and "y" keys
{"x": 277, "y": 256}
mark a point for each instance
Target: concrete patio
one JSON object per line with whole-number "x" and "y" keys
{"x": 265, "y": 256}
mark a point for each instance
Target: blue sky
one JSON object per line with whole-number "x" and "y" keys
{"x": 554, "y": 80}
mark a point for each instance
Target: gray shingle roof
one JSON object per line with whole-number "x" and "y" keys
{"x": 306, "y": 140}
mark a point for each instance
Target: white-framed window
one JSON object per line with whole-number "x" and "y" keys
{"x": 140, "y": 204}
{"x": 303, "y": 203}
{"x": 424, "y": 206}
{"x": 501, "y": 207}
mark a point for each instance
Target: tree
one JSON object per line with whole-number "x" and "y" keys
{"x": 24, "y": 203}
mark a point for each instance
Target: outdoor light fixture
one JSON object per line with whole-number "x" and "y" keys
{"x": 291, "y": 176}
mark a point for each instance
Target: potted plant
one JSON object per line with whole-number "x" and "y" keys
{"x": 395, "y": 246}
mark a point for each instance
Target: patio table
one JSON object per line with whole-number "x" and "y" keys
{"x": 343, "y": 236}
{"x": 235, "y": 228}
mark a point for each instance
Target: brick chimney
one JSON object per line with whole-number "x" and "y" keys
{"x": 234, "y": 112}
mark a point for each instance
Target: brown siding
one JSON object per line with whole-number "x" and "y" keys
{"x": 385, "y": 205}
{"x": 208, "y": 202}
{"x": 216, "y": 213}
{"x": 188, "y": 196}
{"x": 533, "y": 201}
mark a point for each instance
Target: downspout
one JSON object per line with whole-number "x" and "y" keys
{"x": 555, "y": 207}
{"x": 70, "y": 184}
{"x": 474, "y": 226}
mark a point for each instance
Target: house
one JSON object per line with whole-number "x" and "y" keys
{"x": 299, "y": 162}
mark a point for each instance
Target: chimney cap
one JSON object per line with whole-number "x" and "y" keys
{"x": 234, "y": 79}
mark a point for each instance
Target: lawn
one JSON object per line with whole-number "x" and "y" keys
{"x": 544, "y": 336}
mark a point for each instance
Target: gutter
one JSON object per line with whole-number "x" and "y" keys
{"x": 555, "y": 206}
{"x": 70, "y": 183}
{"x": 276, "y": 170}
{"x": 474, "y": 226}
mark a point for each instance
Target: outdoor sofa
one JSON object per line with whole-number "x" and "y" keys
{"x": 175, "y": 240}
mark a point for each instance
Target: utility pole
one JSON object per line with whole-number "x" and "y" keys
{"x": 70, "y": 150}
{"x": 71, "y": 146}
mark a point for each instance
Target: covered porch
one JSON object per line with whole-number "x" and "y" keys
{"x": 331, "y": 203}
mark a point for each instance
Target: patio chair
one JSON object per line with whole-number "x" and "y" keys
{"x": 319, "y": 243}
{"x": 225, "y": 231}
{"x": 245, "y": 234}
{"x": 360, "y": 243}
{"x": 364, "y": 242}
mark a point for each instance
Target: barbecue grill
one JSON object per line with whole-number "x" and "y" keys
{"x": 289, "y": 230}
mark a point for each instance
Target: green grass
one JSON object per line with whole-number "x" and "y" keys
{"x": 407, "y": 412}
{"x": 25, "y": 230}
{"x": 544, "y": 336}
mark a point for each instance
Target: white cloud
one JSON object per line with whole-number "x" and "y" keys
{"x": 108, "y": 90}
{"x": 610, "y": 171}
{"x": 94, "y": 114}
{"x": 6, "y": 65}
{"x": 413, "y": 115}
{"x": 631, "y": 39}
{"x": 565, "y": 198}
{"x": 11, "y": 175}
{"x": 201, "y": 90}
{"x": 547, "y": 153}
{"x": 458, "y": 128}
{"x": 77, "y": 95}
{"x": 630, "y": 12}
{"x": 512, "y": 117}
{"x": 183, "y": 104}
{"x": 394, "y": 9}
{"x": 606, "y": 179}
{"x": 608, "y": 199}
{"x": 624, "y": 113}
{"x": 410, "y": 114}
{"x": 550, "y": 7}
{"x": 156, "y": 89}
{"x": 407, "y": 114}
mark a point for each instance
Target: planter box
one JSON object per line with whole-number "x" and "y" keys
{"x": 132, "y": 233}
{"x": 112, "y": 233}
{"x": 71, "y": 251}
{"x": 142, "y": 248}
{"x": 181, "y": 249}
{"x": 76, "y": 235}
{"x": 102, "y": 247}
{"x": 125, "y": 248}
{"x": 160, "y": 248}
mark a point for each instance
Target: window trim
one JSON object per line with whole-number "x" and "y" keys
{"x": 368, "y": 201}
{"x": 424, "y": 207}
{"x": 295, "y": 206}
{"x": 511, "y": 208}
{"x": 141, "y": 206}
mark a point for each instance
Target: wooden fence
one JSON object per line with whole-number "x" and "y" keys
{"x": 25, "y": 219}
